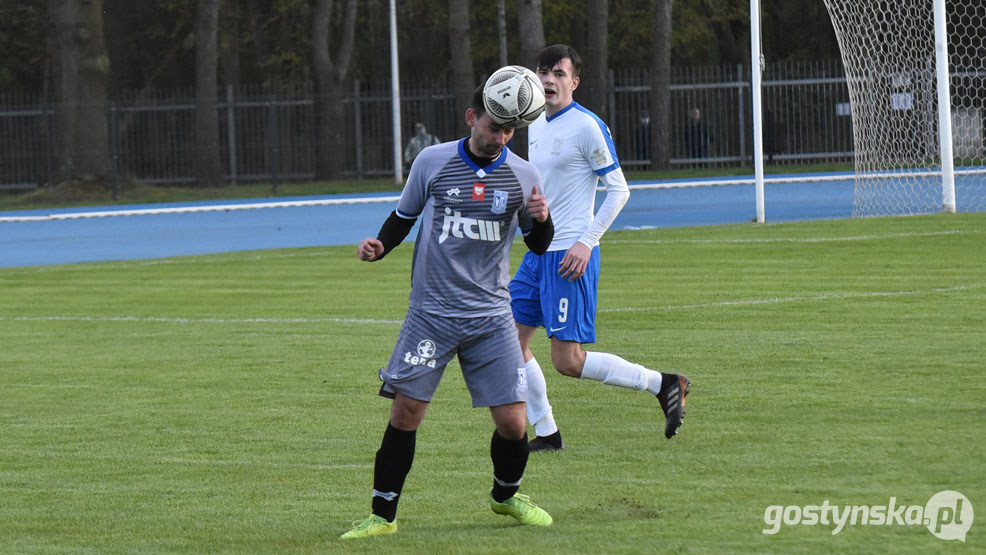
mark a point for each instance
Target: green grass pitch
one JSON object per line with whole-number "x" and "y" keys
{"x": 227, "y": 403}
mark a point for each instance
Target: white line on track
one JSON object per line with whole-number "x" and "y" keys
{"x": 361, "y": 200}
{"x": 191, "y": 209}
{"x": 635, "y": 186}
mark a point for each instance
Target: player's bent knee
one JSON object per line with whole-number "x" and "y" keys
{"x": 510, "y": 420}
{"x": 568, "y": 369}
{"x": 406, "y": 413}
{"x": 568, "y": 362}
{"x": 512, "y": 432}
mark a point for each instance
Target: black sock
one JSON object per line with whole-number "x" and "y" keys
{"x": 393, "y": 462}
{"x": 509, "y": 461}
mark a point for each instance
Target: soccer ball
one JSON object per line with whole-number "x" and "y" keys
{"x": 513, "y": 96}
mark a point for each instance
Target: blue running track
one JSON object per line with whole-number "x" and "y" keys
{"x": 63, "y": 236}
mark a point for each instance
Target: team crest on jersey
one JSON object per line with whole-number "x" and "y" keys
{"x": 499, "y": 202}
{"x": 479, "y": 191}
{"x": 556, "y": 145}
{"x": 600, "y": 156}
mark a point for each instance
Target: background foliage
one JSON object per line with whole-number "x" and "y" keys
{"x": 151, "y": 42}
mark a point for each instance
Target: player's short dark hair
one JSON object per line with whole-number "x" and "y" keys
{"x": 477, "y": 102}
{"x": 551, "y": 55}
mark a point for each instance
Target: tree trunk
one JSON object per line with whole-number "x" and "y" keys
{"x": 501, "y": 32}
{"x": 596, "y": 67}
{"x": 79, "y": 82}
{"x": 660, "y": 100}
{"x": 229, "y": 49}
{"x": 258, "y": 35}
{"x": 208, "y": 164}
{"x": 460, "y": 45}
{"x": 330, "y": 77}
{"x": 378, "y": 31}
{"x": 530, "y": 31}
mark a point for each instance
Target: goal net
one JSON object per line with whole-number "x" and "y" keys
{"x": 888, "y": 50}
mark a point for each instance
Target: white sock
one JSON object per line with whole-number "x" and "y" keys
{"x": 613, "y": 370}
{"x": 538, "y": 407}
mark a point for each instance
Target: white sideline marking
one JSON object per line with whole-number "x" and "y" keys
{"x": 830, "y": 296}
{"x": 719, "y": 304}
{"x": 190, "y": 209}
{"x": 792, "y": 239}
{"x": 849, "y": 176}
{"x": 722, "y": 182}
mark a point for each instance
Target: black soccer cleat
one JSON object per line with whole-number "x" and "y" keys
{"x": 672, "y": 397}
{"x": 551, "y": 442}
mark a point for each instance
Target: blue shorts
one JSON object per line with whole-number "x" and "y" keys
{"x": 541, "y": 297}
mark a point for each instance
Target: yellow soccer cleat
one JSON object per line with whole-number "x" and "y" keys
{"x": 523, "y": 509}
{"x": 373, "y": 526}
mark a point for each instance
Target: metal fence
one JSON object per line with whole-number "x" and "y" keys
{"x": 268, "y": 135}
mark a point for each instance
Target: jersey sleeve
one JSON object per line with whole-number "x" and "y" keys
{"x": 599, "y": 149}
{"x": 617, "y": 195}
{"x": 415, "y": 193}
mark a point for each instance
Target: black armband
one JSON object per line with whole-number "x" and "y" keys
{"x": 539, "y": 239}
{"x": 393, "y": 231}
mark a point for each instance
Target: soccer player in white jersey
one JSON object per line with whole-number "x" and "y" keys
{"x": 574, "y": 151}
{"x": 471, "y": 195}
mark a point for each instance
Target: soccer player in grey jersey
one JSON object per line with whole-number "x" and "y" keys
{"x": 471, "y": 196}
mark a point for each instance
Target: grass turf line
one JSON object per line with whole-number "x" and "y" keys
{"x": 226, "y": 403}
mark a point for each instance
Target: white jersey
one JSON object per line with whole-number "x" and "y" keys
{"x": 574, "y": 151}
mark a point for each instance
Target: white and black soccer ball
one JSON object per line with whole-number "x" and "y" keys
{"x": 513, "y": 96}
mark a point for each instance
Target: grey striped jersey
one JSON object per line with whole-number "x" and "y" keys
{"x": 468, "y": 218}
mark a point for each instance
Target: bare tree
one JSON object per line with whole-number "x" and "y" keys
{"x": 597, "y": 64}
{"x": 530, "y": 31}
{"x": 330, "y": 77}
{"x": 208, "y": 165}
{"x": 660, "y": 100}
{"x": 460, "y": 45}
{"x": 79, "y": 76}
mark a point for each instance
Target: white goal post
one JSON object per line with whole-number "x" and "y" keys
{"x": 917, "y": 88}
